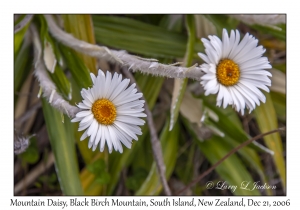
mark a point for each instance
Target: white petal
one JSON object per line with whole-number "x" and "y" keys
{"x": 93, "y": 77}
{"x": 113, "y": 85}
{"x": 107, "y": 84}
{"x": 84, "y": 135}
{"x": 83, "y": 113}
{"x": 98, "y": 137}
{"x": 130, "y": 120}
{"x": 87, "y": 118}
{"x": 76, "y": 119}
{"x": 126, "y": 140}
{"x": 119, "y": 89}
{"x": 113, "y": 138}
{"x": 204, "y": 57}
{"x": 83, "y": 106}
{"x": 87, "y": 95}
{"x": 124, "y": 127}
{"x": 107, "y": 138}
{"x": 93, "y": 127}
{"x": 85, "y": 125}
{"x": 130, "y": 98}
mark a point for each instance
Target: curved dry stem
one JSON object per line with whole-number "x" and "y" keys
{"x": 23, "y": 23}
{"x": 47, "y": 86}
{"x": 149, "y": 66}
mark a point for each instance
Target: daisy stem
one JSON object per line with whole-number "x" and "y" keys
{"x": 121, "y": 57}
{"x": 46, "y": 84}
{"x": 156, "y": 146}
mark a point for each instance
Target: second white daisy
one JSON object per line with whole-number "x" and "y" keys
{"x": 235, "y": 70}
{"x": 110, "y": 112}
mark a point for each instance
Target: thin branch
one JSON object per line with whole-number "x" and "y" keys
{"x": 47, "y": 86}
{"x": 149, "y": 66}
{"x": 23, "y": 23}
{"x": 34, "y": 174}
{"x": 28, "y": 113}
{"x": 156, "y": 146}
{"x": 226, "y": 156}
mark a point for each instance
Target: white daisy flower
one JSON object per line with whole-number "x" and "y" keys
{"x": 110, "y": 112}
{"x": 235, "y": 70}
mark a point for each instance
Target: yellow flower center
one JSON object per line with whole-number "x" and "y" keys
{"x": 104, "y": 111}
{"x": 228, "y": 72}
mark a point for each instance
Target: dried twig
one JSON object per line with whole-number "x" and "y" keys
{"x": 156, "y": 146}
{"x": 47, "y": 86}
{"x": 149, "y": 66}
{"x": 28, "y": 113}
{"x": 226, "y": 156}
{"x": 23, "y": 23}
{"x": 34, "y": 174}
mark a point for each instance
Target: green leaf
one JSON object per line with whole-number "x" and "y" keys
{"x": 177, "y": 96}
{"x": 180, "y": 84}
{"x": 61, "y": 82}
{"x": 227, "y": 123}
{"x": 169, "y": 144}
{"x": 279, "y": 102}
{"x": 267, "y": 120}
{"x": 81, "y": 27}
{"x": 277, "y": 33}
{"x": 63, "y": 146}
{"x": 51, "y": 54}
{"x": 78, "y": 69}
{"x": 103, "y": 178}
{"x": 232, "y": 169}
{"x": 19, "y": 36}
{"x": 223, "y": 21}
{"x": 22, "y": 66}
{"x": 185, "y": 164}
{"x": 136, "y": 180}
{"x": 31, "y": 155}
{"x": 97, "y": 167}
{"x": 141, "y": 38}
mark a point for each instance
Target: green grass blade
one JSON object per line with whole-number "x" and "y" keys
{"x": 78, "y": 69}
{"x": 223, "y": 21}
{"x": 180, "y": 84}
{"x": 232, "y": 169}
{"x": 142, "y": 38}
{"x": 267, "y": 120}
{"x": 22, "y": 67}
{"x": 279, "y": 102}
{"x": 277, "y": 33}
{"x": 51, "y": 55}
{"x": 81, "y": 27}
{"x": 19, "y": 36}
{"x": 63, "y": 146}
{"x": 61, "y": 82}
{"x": 230, "y": 127}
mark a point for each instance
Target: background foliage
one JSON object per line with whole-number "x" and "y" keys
{"x": 56, "y": 162}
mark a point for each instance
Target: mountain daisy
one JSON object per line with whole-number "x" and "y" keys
{"x": 110, "y": 112}
{"x": 235, "y": 70}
